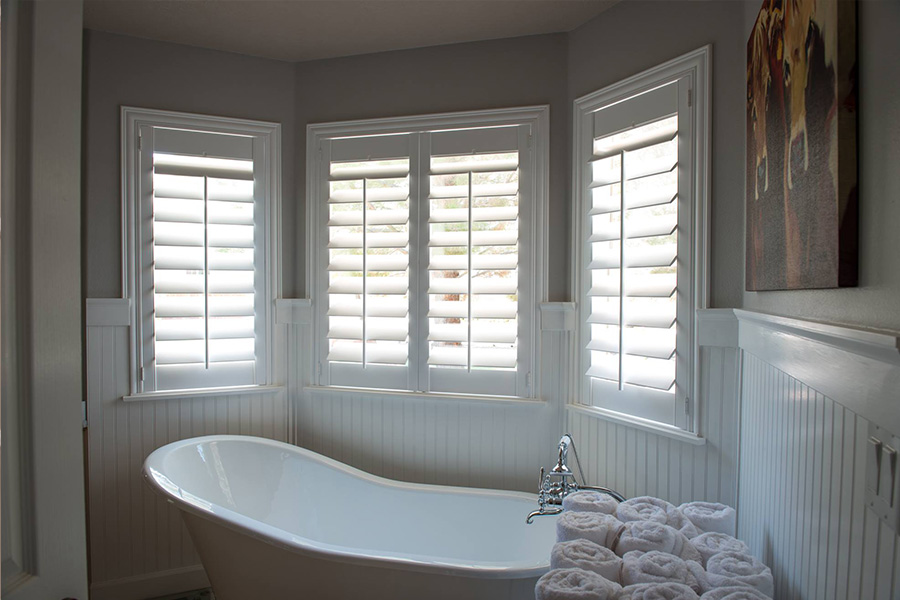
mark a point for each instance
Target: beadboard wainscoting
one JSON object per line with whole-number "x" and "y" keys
{"x": 139, "y": 547}
{"x": 639, "y": 461}
{"x": 809, "y": 392}
{"x": 453, "y": 440}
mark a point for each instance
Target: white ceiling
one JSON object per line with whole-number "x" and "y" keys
{"x": 298, "y": 30}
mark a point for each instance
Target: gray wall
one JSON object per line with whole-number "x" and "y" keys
{"x": 633, "y": 36}
{"x": 550, "y": 69}
{"x": 121, "y": 70}
{"x": 876, "y": 302}
{"x": 495, "y": 74}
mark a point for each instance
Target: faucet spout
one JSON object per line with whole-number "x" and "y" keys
{"x": 540, "y": 513}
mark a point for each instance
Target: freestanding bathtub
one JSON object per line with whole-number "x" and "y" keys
{"x": 274, "y": 521}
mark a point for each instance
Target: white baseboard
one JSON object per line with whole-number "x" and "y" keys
{"x": 151, "y": 585}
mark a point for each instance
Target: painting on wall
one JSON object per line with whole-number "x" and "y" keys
{"x": 801, "y": 146}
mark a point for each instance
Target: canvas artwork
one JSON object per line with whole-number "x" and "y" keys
{"x": 801, "y": 146}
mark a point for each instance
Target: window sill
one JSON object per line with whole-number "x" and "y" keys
{"x": 243, "y": 390}
{"x": 427, "y": 396}
{"x": 655, "y": 428}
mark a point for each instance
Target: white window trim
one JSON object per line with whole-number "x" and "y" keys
{"x": 132, "y": 119}
{"x": 538, "y": 117}
{"x": 697, "y": 65}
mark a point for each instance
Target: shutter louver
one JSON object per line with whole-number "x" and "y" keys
{"x": 204, "y": 260}
{"x": 368, "y": 252}
{"x": 473, "y": 250}
{"x": 633, "y": 241}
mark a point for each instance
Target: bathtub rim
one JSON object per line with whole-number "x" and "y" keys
{"x": 280, "y": 538}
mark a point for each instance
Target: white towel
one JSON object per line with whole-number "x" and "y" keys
{"x": 734, "y": 593}
{"x": 600, "y": 528}
{"x": 712, "y": 543}
{"x": 648, "y": 508}
{"x": 727, "y": 569}
{"x": 656, "y": 567}
{"x": 710, "y": 516}
{"x": 587, "y": 555}
{"x": 700, "y": 575}
{"x": 647, "y": 536}
{"x": 590, "y": 501}
{"x": 575, "y": 584}
{"x": 659, "y": 591}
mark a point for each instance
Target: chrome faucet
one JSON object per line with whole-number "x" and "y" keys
{"x": 560, "y": 482}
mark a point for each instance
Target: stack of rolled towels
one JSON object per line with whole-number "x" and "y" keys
{"x": 648, "y": 549}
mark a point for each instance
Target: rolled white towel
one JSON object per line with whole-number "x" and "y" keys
{"x": 700, "y": 575}
{"x": 734, "y": 593}
{"x": 727, "y": 569}
{"x": 647, "y": 536}
{"x": 682, "y": 524}
{"x": 659, "y": 591}
{"x": 710, "y": 516}
{"x": 656, "y": 567}
{"x": 590, "y": 501}
{"x": 587, "y": 555}
{"x": 648, "y": 508}
{"x": 600, "y": 528}
{"x": 712, "y": 543}
{"x": 575, "y": 584}
{"x": 644, "y": 508}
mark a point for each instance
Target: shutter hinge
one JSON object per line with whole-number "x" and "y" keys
{"x": 84, "y": 414}
{"x": 687, "y": 406}
{"x": 140, "y": 141}
{"x": 690, "y": 97}
{"x": 529, "y": 140}
{"x": 528, "y": 381}
{"x": 141, "y": 374}
{"x": 319, "y": 373}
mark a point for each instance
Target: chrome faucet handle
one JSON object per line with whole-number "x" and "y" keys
{"x": 554, "y": 486}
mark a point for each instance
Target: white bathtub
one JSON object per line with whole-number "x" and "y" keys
{"x": 271, "y": 520}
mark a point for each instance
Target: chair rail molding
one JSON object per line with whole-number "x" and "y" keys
{"x": 717, "y": 327}
{"x": 557, "y": 316}
{"x": 293, "y": 311}
{"x": 859, "y": 368}
{"x": 107, "y": 312}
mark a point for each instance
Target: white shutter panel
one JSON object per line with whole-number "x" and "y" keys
{"x": 423, "y": 282}
{"x": 634, "y": 247}
{"x": 206, "y": 261}
{"x": 368, "y": 261}
{"x": 474, "y": 203}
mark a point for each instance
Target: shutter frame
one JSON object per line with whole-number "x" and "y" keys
{"x": 523, "y": 123}
{"x": 258, "y": 139}
{"x": 689, "y": 72}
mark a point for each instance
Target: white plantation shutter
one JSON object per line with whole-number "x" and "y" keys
{"x": 368, "y": 260}
{"x": 202, "y": 275}
{"x": 424, "y": 281}
{"x": 636, "y": 166}
{"x": 475, "y": 203}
